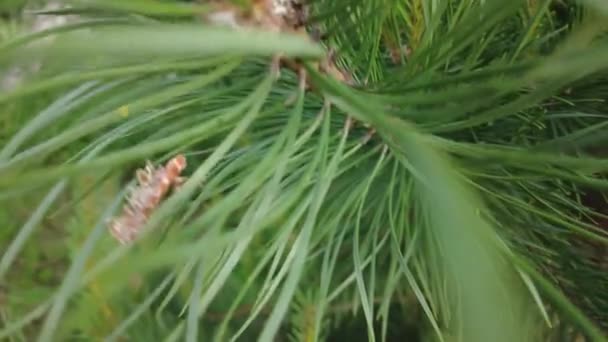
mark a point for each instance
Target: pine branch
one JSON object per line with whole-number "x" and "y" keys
{"x": 470, "y": 195}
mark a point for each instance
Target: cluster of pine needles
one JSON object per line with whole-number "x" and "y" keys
{"x": 410, "y": 170}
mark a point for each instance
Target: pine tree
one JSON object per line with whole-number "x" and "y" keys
{"x": 352, "y": 169}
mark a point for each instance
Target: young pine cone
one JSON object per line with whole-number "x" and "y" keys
{"x": 153, "y": 186}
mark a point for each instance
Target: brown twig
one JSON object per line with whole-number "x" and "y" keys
{"x": 282, "y": 16}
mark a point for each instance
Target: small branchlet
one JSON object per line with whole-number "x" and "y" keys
{"x": 281, "y": 16}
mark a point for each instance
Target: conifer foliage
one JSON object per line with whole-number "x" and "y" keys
{"x": 299, "y": 170}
